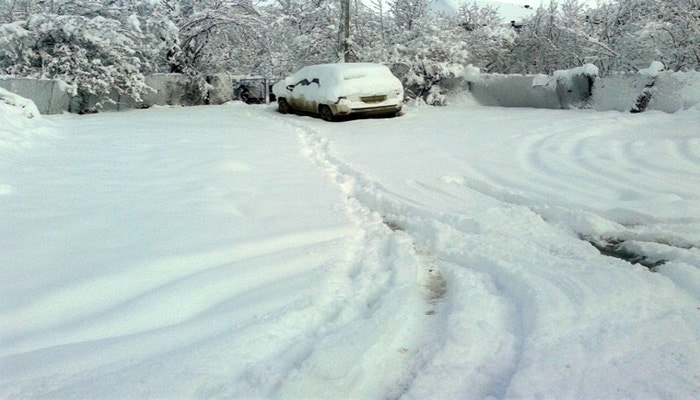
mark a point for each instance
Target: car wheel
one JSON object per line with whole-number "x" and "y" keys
{"x": 283, "y": 106}
{"x": 326, "y": 113}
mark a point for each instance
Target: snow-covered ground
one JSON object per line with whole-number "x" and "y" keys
{"x": 232, "y": 252}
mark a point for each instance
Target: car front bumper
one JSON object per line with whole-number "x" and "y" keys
{"x": 345, "y": 107}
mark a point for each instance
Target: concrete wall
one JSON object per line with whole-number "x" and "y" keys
{"x": 574, "y": 90}
{"x": 221, "y": 88}
{"x": 564, "y": 89}
{"x": 49, "y": 96}
{"x": 513, "y": 91}
{"x": 670, "y": 91}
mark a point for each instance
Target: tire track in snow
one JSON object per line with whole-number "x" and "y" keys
{"x": 542, "y": 158}
{"x": 399, "y": 285}
{"x": 614, "y": 165}
{"x": 460, "y": 299}
{"x": 538, "y": 289}
{"x": 572, "y": 309}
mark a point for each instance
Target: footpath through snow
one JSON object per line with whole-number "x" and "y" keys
{"x": 219, "y": 252}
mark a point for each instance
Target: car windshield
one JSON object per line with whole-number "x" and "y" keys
{"x": 361, "y": 72}
{"x": 354, "y": 75}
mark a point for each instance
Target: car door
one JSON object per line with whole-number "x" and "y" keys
{"x": 297, "y": 97}
{"x": 305, "y": 94}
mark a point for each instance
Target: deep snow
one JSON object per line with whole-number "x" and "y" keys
{"x": 232, "y": 252}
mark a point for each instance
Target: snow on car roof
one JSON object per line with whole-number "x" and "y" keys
{"x": 346, "y": 70}
{"x": 343, "y": 79}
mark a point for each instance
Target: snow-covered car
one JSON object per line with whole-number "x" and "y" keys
{"x": 332, "y": 90}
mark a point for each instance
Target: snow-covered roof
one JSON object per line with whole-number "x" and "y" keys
{"x": 511, "y": 10}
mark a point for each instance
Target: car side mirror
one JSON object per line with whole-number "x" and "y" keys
{"x": 290, "y": 87}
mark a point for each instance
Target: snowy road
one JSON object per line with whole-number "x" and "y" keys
{"x": 232, "y": 252}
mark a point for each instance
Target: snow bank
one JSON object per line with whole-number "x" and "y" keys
{"x": 21, "y": 125}
{"x": 24, "y": 107}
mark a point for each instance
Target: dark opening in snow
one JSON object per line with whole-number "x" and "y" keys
{"x": 616, "y": 248}
{"x": 393, "y": 225}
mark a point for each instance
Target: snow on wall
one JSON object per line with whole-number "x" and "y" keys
{"x": 574, "y": 86}
{"x": 582, "y": 88}
{"x": 514, "y": 91}
{"x": 670, "y": 91}
{"x": 169, "y": 90}
{"x": 49, "y": 96}
{"x": 564, "y": 89}
{"x": 220, "y": 88}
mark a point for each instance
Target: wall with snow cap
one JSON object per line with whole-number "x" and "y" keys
{"x": 564, "y": 89}
{"x": 574, "y": 87}
{"x": 169, "y": 90}
{"x": 52, "y": 97}
{"x": 582, "y": 88}
{"x": 514, "y": 91}
{"x": 669, "y": 91}
{"x": 220, "y": 88}
{"x": 49, "y": 96}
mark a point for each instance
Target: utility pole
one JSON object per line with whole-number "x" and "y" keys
{"x": 345, "y": 36}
